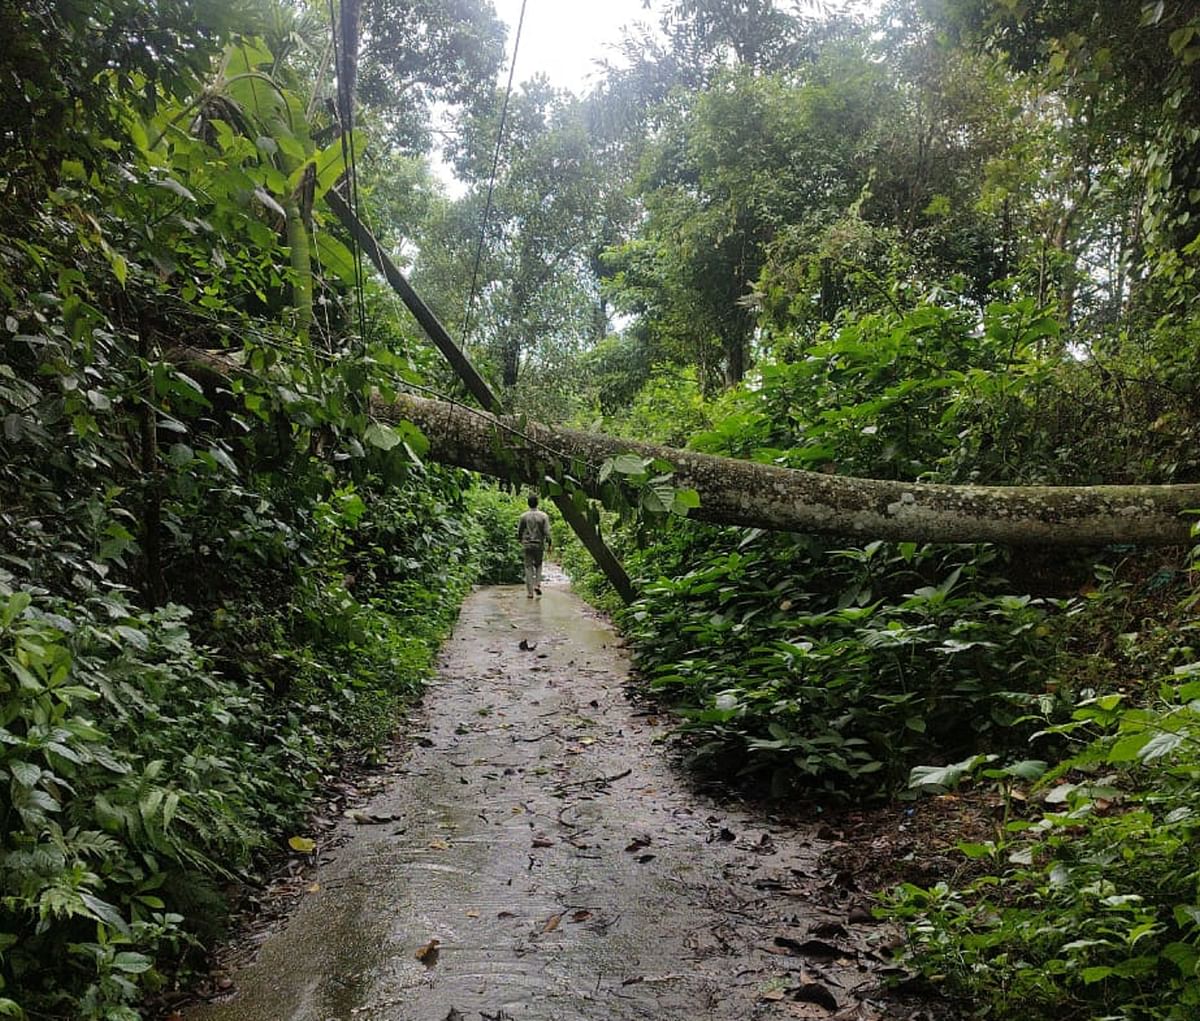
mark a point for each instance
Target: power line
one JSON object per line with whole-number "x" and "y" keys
{"x": 487, "y": 210}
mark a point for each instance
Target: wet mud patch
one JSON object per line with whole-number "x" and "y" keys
{"x": 535, "y": 856}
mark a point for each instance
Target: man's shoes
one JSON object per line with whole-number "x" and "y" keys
{"x": 537, "y": 591}
{"x": 528, "y": 595}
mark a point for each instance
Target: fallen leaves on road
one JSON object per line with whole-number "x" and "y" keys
{"x": 428, "y": 954}
{"x": 811, "y": 948}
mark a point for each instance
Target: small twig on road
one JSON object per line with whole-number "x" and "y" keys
{"x": 486, "y": 764}
{"x": 596, "y": 781}
{"x": 539, "y": 737}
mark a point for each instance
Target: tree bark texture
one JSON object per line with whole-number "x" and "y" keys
{"x": 747, "y": 493}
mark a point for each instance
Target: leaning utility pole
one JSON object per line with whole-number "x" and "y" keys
{"x": 475, "y": 383}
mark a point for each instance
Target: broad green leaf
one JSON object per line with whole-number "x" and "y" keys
{"x": 383, "y": 436}
{"x": 685, "y": 500}
{"x": 945, "y": 776}
{"x": 1026, "y": 769}
{"x": 25, "y": 773}
{"x": 133, "y": 636}
{"x": 223, "y": 459}
{"x": 629, "y": 464}
{"x": 1095, "y": 974}
{"x": 335, "y": 257}
{"x": 173, "y": 186}
{"x": 1159, "y": 745}
{"x": 132, "y": 963}
{"x": 17, "y": 604}
{"x": 102, "y": 911}
{"x": 169, "y": 808}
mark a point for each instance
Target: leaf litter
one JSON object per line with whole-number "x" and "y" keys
{"x": 733, "y": 913}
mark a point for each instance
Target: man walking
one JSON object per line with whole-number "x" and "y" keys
{"x": 533, "y": 531}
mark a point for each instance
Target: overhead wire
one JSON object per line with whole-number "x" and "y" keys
{"x": 345, "y": 102}
{"x": 464, "y": 330}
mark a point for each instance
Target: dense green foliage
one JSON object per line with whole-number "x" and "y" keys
{"x": 962, "y": 250}
{"x": 154, "y": 753}
{"x": 1084, "y": 904}
{"x": 220, "y": 581}
{"x": 957, "y": 245}
{"x": 495, "y": 514}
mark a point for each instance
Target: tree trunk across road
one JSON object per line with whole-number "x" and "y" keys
{"x": 747, "y": 493}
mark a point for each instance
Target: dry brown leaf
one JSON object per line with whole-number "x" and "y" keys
{"x": 552, "y": 923}
{"x": 581, "y": 916}
{"x": 428, "y": 954}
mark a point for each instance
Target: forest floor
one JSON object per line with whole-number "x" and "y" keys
{"x": 536, "y": 855}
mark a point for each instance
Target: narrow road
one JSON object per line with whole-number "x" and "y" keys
{"x": 539, "y": 835}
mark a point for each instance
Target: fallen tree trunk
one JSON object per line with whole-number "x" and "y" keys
{"x": 734, "y": 492}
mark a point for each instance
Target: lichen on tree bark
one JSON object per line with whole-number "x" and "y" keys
{"x": 746, "y": 493}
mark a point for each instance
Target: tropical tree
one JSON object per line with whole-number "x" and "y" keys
{"x": 417, "y": 54}
{"x": 535, "y": 301}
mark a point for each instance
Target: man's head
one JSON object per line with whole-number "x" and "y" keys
{"x": 532, "y": 499}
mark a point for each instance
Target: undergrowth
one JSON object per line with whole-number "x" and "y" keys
{"x": 1069, "y": 685}
{"x": 157, "y": 757}
{"x": 1086, "y": 902}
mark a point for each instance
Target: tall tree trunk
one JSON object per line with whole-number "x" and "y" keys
{"x": 734, "y": 492}
{"x": 735, "y": 360}
{"x": 510, "y": 361}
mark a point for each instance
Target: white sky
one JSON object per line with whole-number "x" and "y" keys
{"x": 563, "y": 38}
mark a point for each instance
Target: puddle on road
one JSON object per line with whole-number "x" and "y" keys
{"x": 564, "y": 870}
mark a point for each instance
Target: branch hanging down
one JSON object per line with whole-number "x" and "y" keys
{"x": 734, "y": 492}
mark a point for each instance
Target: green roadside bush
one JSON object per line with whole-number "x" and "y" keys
{"x": 154, "y": 759}
{"x": 1085, "y": 903}
{"x": 836, "y": 670}
{"x": 494, "y": 513}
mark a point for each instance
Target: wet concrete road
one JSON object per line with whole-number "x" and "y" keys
{"x": 540, "y": 836}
